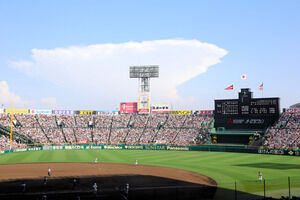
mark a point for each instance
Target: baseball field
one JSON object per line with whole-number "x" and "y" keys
{"x": 229, "y": 170}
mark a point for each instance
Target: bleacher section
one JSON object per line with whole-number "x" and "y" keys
{"x": 41, "y": 129}
{"x": 107, "y": 129}
{"x": 285, "y": 133}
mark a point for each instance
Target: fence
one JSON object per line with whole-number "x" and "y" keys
{"x": 286, "y": 187}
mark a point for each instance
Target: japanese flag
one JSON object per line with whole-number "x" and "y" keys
{"x": 244, "y": 76}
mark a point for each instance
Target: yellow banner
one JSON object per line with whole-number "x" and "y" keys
{"x": 87, "y": 112}
{"x": 181, "y": 112}
{"x": 17, "y": 111}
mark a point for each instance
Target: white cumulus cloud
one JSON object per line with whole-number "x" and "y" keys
{"x": 6, "y": 96}
{"x": 100, "y": 71}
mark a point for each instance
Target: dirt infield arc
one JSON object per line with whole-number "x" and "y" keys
{"x": 150, "y": 182}
{"x": 39, "y": 170}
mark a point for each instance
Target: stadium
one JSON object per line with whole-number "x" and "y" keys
{"x": 246, "y": 148}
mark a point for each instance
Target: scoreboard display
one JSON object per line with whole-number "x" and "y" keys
{"x": 246, "y": 112}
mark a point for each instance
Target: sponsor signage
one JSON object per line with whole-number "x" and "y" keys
{"x": 35, "y": 111}
{"x": 203, "y": 112}
{"x": 181, "y": 112}
{"x": 271, "y": 151}
{"x": 85, "y": 112}
{"x": 245, "y": 121}
{"x": 206, "y": 112}
{"x": 160, "y": 108}
{"x": 62, "y": 112}
{"x": 17, "y": 111}
{"x": 291, "y": 152}
{"x": 107, "y": 112}
{"x": 128, "y": 107}
{"x": 293, "y": 110}
{"x": 144, "y": 103}
{"x": 82, "y": 141}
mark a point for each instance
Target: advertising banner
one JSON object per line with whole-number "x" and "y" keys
{"x": 144, "y": 103}
{"x": 82, "y": 141}
{"x": 206, "y": 112}
{"x": 203, "y": 112}
{"x": 35, "y": 111}
{"x": 215, "y": 148}
{"x": 160, "y": 108}
{"x": 108, "y": 112}
{"x": 128, "y": 107}
{"x": 181, "y": 112}
{"x": 17, "y": 111}
{"x": 62, "y": 112}
{"x": 85, "y": 112}
{"x": 293, "y": 110}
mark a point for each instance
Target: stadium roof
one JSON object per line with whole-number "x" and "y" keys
{"x": 297, "y": 105}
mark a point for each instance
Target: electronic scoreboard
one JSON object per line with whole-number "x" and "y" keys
{"x": 246, "y": 112}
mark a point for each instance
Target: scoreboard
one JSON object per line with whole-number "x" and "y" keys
{"x": 246, "y": 112}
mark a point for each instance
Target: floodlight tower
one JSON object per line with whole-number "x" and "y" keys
{"x": 144, "y": 73}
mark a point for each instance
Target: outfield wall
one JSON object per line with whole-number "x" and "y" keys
{"x": 213, "y": 148}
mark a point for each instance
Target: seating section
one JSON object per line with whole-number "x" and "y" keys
{"x": 285, "y": 133}
{"x": 108, "y": 129}
{"x": 135, "y": 129}
{"x": 5, "y": 143}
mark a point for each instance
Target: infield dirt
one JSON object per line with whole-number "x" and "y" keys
{"x": 39, "y": 170}
{"x": 147, "y": 182}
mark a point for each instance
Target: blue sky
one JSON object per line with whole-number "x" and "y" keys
{"x": 257, "y": 38}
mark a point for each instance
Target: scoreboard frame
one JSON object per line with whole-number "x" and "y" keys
{"x": 246, "y": 112}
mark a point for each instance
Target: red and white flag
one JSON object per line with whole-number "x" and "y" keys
{"x": 261, "y": 87}
{"x": 244, "y": 76}
{"x": 229, "y": 88}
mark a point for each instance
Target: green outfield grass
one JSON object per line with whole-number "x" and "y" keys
{"x": 225, "y": 168}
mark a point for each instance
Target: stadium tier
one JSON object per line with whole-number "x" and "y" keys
{"x": 106, "y": 129}
{"x": 182, "y": 129}
{"x": 285, "y": 133}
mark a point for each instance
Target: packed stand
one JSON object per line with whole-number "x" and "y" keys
{"x": 46, "y": 120}
{"x": 5, "y": 120}
{"x": 103, "y": 120}
{"x": 83, "y": 120}
{"x": 28, "y": 121}
{"x": 65, "y": 120}
{"x": 101, "y": 135}
{"x": 285, "y": 134}
{"x": 83, "y": 135}
{"x": 5, "y": 143}
{"x": 112, "y": 129}
{"x": 69, "y": 134}
{"x": 36, "y": 134}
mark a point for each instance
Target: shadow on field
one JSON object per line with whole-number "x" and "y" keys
{"x": 108, "y": 187}
{"x": 227, "y": 194}
{"x": 282, "y": 166}
{"x": 114, "y": 188}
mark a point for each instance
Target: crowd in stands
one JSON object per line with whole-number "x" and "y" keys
{"x": 135, "y": 129}
{"x": 109, "y": 129}
{"x": 5, "y": 143}
{"x": 285, "y": 134}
